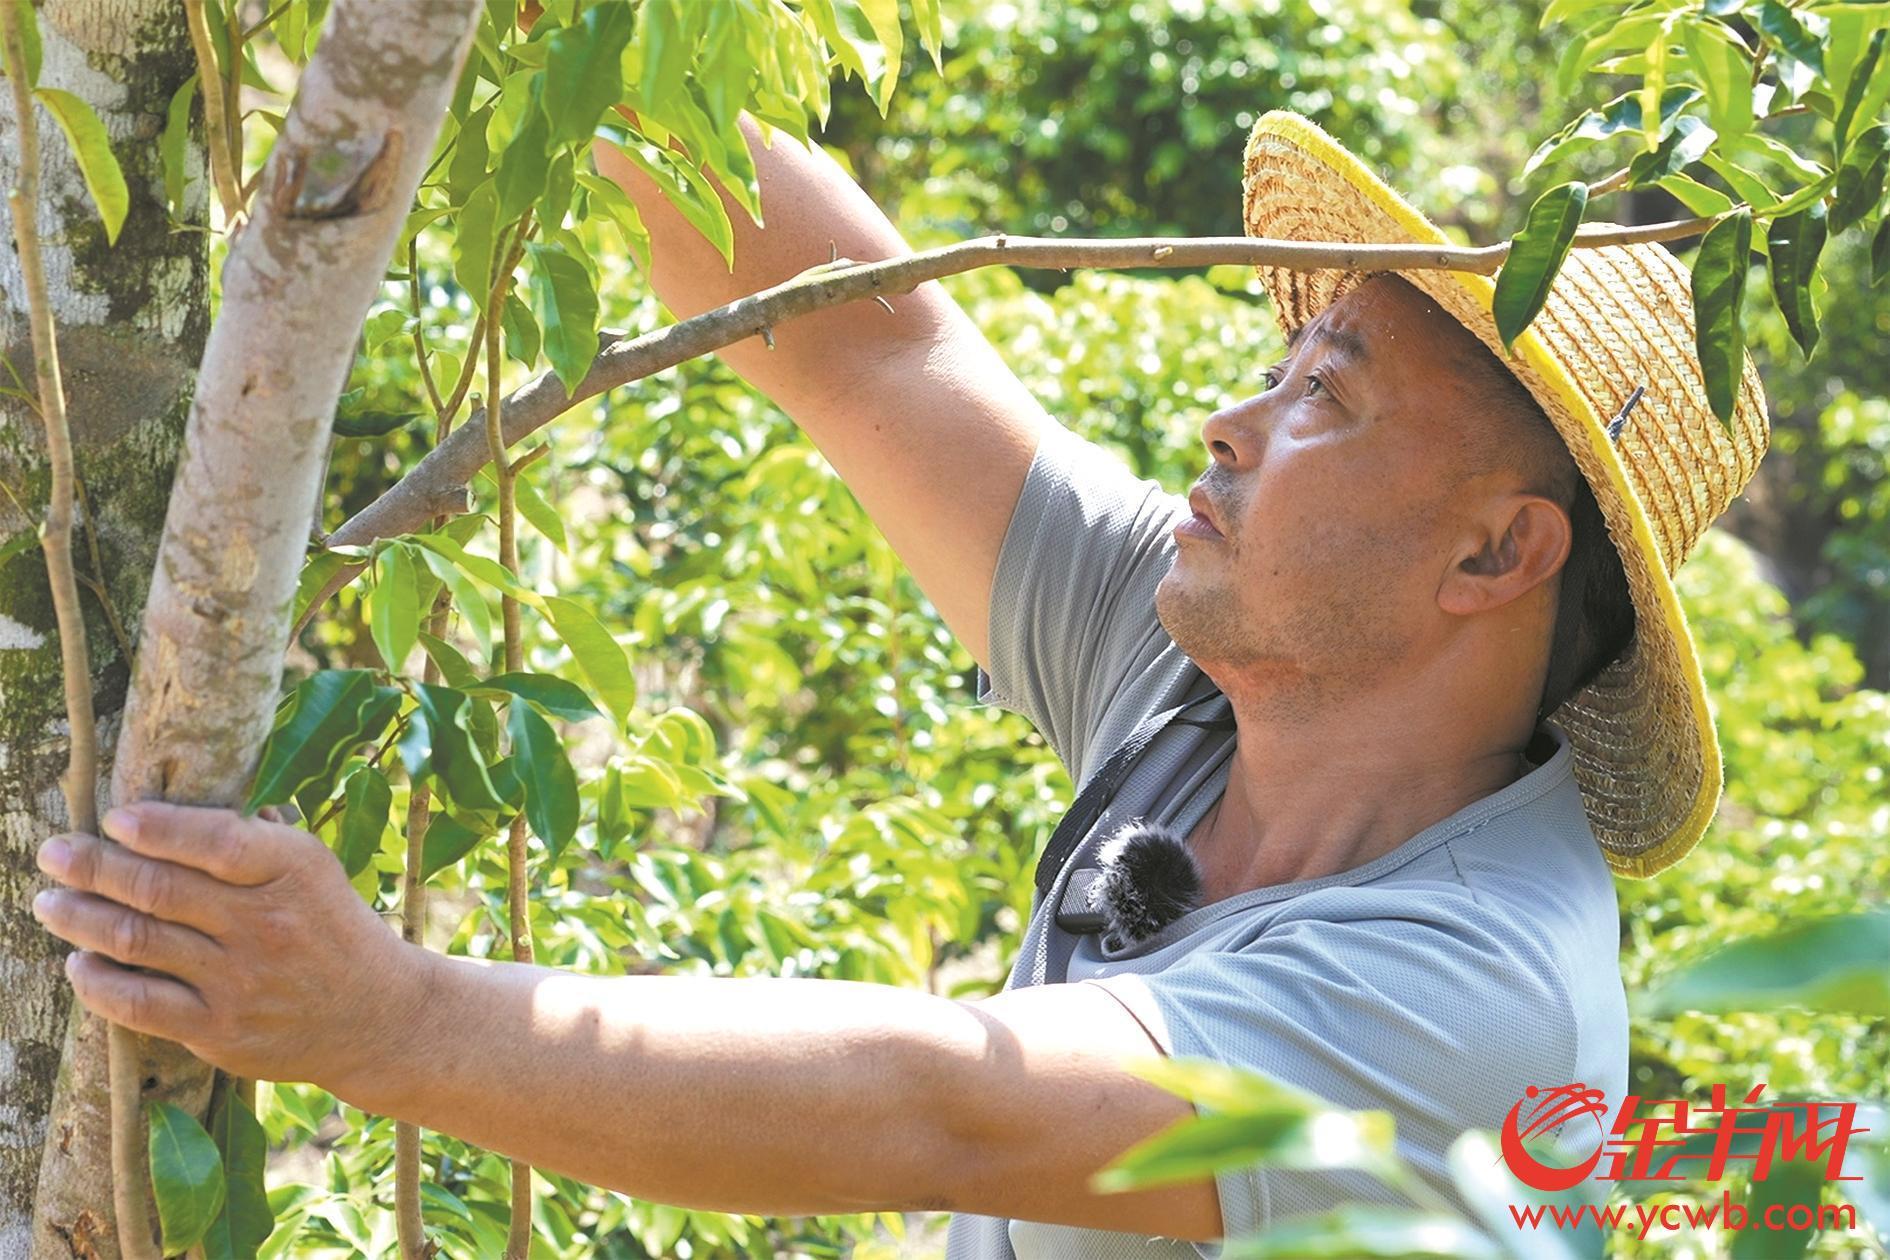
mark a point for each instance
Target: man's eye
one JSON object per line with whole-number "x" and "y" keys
{"x": 1272, "y": 377}
{"x": 1314, "y": 383}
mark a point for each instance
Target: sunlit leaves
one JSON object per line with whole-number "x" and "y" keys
{"x": 186, "y": 1176}
{"x": 1840, "y": 963}
{"x": 92, "y": 150}
{"x": 1535, "y": 256}
{"x": 554, "y": 695}
{"x": 583, "y": 70}
{"x": 1719, "y": 293}
{"x": 1618, "y": 116}
{"x": 474, "y": 240}
{"x": 394, "y": 605}
{"x": 564, "y": 302}
{"x": 597, "y": 652}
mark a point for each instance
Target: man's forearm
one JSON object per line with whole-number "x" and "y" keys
{"x": 762, "y": 1095}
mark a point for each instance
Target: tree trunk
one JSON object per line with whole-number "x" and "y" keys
{"x": 296, "y": 287}
{"x": 132, "y": 319}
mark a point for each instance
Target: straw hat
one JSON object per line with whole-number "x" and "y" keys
{"x": 1619, "y": 317}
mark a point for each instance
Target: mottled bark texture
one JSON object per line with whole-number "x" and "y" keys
{"x": 295, "y": 289}
{"x": 132, "y": 319}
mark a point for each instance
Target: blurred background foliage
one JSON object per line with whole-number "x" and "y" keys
{"x": 844, "y": 808}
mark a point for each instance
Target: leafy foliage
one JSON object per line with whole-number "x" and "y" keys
{"x": 742, "y": 738}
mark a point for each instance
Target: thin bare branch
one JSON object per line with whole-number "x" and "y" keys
{"x": 222, "y": 156}
{"x": 410, "y": 503}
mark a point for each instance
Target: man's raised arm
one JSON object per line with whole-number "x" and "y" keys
{"x": 914, "y": 409}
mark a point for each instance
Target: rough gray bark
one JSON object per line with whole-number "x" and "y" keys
{"x": 296, "y": 286}
{"x": 132, "y": 319}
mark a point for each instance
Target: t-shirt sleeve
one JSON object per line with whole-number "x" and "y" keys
{"x": 1439, "y": 1012}
{"x": 1073, "y": 598}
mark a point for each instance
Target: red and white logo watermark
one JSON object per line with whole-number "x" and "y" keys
{"x": 1675, "y": 1140}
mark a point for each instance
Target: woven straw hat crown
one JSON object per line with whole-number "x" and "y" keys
{"x": 1617, "y": 318}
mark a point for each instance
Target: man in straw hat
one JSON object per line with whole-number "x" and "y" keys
{"x": 1389, "y": 695}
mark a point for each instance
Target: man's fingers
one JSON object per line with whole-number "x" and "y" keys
{"x": 221, "y": 842}
{"x": 142, "y": 1001}
{"x": 163, "y": 889}
{"x": 125, "y": 935}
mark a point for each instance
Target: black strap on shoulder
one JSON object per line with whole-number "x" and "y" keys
{"x": 1103, "y": 785}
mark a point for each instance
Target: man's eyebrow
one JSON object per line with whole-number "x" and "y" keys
{"x": 1347, "y": 343}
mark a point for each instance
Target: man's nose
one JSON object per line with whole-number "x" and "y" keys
{"x": 1234, "y": 435}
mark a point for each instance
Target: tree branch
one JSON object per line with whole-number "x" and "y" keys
{"x": 222, "y": 155}
{"x": 411, "y": 502}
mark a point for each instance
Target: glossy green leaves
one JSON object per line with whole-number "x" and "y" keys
{"x": 564, "y": 301}
{"x": 1535, "y": 256}
{"x": 1793, "y": 244}
{"x": 1719, "y": 297}
{"x": 544, "y": 771}
{"x": 329, "y": 713}
{"x": 186, "y": 1176}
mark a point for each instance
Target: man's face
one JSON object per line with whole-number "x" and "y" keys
{"x": 1328, "y": 505}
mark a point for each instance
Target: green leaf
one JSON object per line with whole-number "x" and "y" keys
{"x": 551, "y": 792}
{"x": 174, "y": 142}
{"x": 620, "y": 210}
{"x": 480, "y": 568}
{"x": 565, "y": 302}
{"x": 363, "y": 819}
{"x": 1880, "y": 252}
{"x": 329, "y": 713}
{"x": 556, "y": 696}
{"x": 691, "y": 197}
{"x": 524, "y": 167}
{"x": 521, "y": 330}
{"x": 245, "y": 1222}
{"x": 598, "y": 655}
{"x": 454, "y": 667}
{"x": 447, "y": 841}
{"x": 1622, "y": 114}
{"x": 1358, "y": 1231}
{"x": 1535, "y": 256}
{"x": 467, "y": 597}
{"x": 92, "y": 149}
{"x": 542, "y": 515}
{"x": 1791, "y": 34}
{"x": 1838, "y": 964}
{"x": 1793, "y": 244}
{"x": 472, "y": 156}
{"x": 186, "y": 1176}
{"x": 1684, "y": 145}
{"x": 451, "y": 757}
{"x": 1864, "y": 83}
{"x": 1860, "y": 177}
{"x": 1719, "y": 295}
{"x": 1725, "y": 68}
{"x": 1696, "y": 196}
{"x": 583, "y": 70}
{"x": 394, "y": 605}
{"x": 315, "y": 574}
{"x": 473, "y": 243}
{"x": 1787, "y": 1184}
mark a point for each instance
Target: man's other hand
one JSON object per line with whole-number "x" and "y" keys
{"x": 239, "y": 938}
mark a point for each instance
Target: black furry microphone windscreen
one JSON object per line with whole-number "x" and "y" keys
{"x": 1149, "y": 879}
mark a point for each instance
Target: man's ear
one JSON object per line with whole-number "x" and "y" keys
{"x": 1522, "y": 541}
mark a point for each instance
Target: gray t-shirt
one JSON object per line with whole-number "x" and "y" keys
{"x": 1435, "y": 982}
